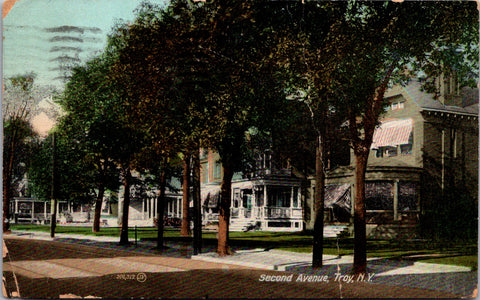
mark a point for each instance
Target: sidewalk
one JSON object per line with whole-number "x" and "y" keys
{"x": 448, "y": 278}
{"x": 291, "y": 261}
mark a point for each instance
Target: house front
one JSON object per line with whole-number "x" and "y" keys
{"x": 422, "y": 147}
{"x": 269, "y": 199}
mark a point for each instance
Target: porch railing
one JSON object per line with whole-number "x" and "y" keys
{"x": 283, "y": 212}
{"x": 240, "y": 212}
{"x": 266, "y": 212}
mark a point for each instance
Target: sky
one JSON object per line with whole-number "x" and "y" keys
{"x": 45, "y": 36}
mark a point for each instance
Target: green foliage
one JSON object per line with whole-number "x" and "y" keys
{"x": 18, "y": 137}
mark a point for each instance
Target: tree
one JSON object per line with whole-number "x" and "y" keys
{"x": 302, "y": 53}
{"x": 147, "y": 71}
{"x": 97, "y": 108}
{"x": 244, "y": 89}
{"x": 19, "y": 101}
{"x": 344, "y": 55}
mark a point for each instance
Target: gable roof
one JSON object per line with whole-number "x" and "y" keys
{"x": 426, "y": 102}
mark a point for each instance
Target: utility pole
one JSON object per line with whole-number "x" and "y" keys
{"x": 197, "y": 214}
{"x": 53, "y": 207}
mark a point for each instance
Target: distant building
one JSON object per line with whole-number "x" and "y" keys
{"x": 143, "y": 209}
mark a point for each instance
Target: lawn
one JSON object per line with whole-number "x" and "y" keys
{"x": 459, "y": 253}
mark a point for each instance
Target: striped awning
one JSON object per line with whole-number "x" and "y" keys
{"x": 336, "y": 194}
{"x": 210, "y": 196}
{"x": 392, "y": 133}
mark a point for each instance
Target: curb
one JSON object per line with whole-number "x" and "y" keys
{"x": 201, "y": 257}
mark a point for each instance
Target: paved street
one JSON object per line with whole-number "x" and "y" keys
{"x": 49, "y": 269}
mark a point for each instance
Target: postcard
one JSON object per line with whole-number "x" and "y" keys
{"x": 240, "y": 149}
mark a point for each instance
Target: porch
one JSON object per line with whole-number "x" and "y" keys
{"x": 266, "y": 205}
{"x": 272, "y": 205}
{"x": 31, "y": 210}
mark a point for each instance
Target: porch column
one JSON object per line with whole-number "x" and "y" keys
{"x": 179, "y": 205}
{"x": 352, "y": 202}
{"x": 33, "y": 211}
{"x": 154, "y": 208}
{"x": 16, "y": 206}
{"x": 265, "y": 200}
{"x": 45, "y": 209}
{"x": 395, "y": 199}
{"x": 299, "y": 198}
{"x": 254, "y": 203}
{"x": 292, "y": 190}
{"x": 149, "y": 204}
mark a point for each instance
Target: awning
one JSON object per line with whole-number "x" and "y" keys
{"x": 210, "y": 196}
{"x": 392, "y": 133}
{"x": 211, "y": 200}
{"x": 337, "y": 195}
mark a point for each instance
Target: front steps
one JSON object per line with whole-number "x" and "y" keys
{"x": 331, "y": 231}
{"x": 240, "y": 224}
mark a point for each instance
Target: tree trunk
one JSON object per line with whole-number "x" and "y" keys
{"x": 186, "y": 197}
{"x": 53, "y": 209}
{"x": 126, "y": 204}
{"x": 359, "y": 217}
{"x": 161, "y": 204}
{"x": 197, "y": 218}
{"x": 317, "y": 259}
{"x": 7, "y": 192}
{"x": 361, "y": 149}
{"x": 7, "y": 180}
{"x": 223, "y": 248}
{"x": 98, "y": 207}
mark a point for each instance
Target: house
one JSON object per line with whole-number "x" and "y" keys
{"x": 32, "y": 210}
{"x": 268, "y": 199}
{"x": 422, "y": 148}
{"x": 143, "y": 210}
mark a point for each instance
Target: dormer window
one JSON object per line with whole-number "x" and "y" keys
{"x": 395, "y": 105}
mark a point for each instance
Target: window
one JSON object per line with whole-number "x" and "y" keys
{"x": 407, "y": 196}
{"x": 406, "y": 149}
{"x": 247, "y": 198}
{"x": 259, "y": 196}
{"x": 217, "y": 170}
{"x": 397, "y": 105}
{"x": 379, "y": 195}
{"x": 391, "y": 151}
{"x": 204, "y": 170}
{"x": 379, "y": 152}
{"x": 278, "y": 196}
{"x": 236, "y": 198}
